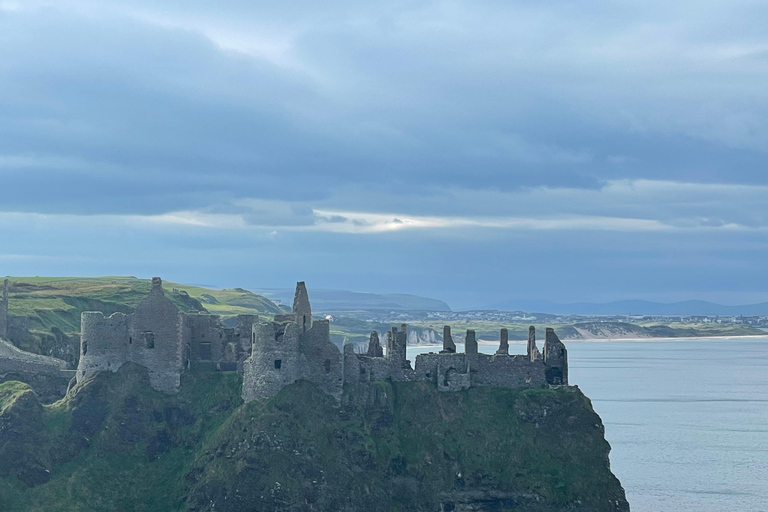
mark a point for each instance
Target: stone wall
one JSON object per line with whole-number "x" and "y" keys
{"x": 275, "y": 360}
{"x": 451, "y": 371}
{"x": 206, "y": 340}
{"x": 156, "y": 332}
{"x": 275, "y": 354}
{"x": 48, "y": 376}
{"x": 555, "y": 359}
{"x": 150, "y": 337}
{"x": 322, "y": 359}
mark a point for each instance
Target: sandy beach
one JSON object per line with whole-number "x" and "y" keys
{"x": 618, "y": 338}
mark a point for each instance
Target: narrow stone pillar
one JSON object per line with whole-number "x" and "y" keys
{"x": 470, "y": 344}
{"x": 374, "y": 347}
{"x": 533, "y": 352}
{"x": 449, "y": 347}
{"x": 503, "y": 342}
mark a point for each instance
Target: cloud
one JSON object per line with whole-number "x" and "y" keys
{"x": 623, "y": 206}
{"x": 635, "y": 131}
{"x": 115, "y": 103}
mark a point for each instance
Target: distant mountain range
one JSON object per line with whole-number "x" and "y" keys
{"x": 340, "y": 300}
{"x": 635, "y": 307}
{"x": 344, "y": 300}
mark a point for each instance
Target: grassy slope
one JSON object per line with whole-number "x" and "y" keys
{"x": 118, "y": 445}
{"x": 53, "y": 306}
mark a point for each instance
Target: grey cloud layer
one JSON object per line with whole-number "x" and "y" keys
{"x": 148, "y": 108}
{"x": 414, "y": 138}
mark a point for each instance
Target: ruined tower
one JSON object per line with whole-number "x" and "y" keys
{"x": 4, "y": 311}
{"x": 449, "y": 347}
{"x": 150, "y": 337}
{"x": 301, "y": 307}
{"x": 555, "y": 359}
{"x": 374, "y": 347}
{"x": 396, "y": 347}
{"x": 274, "y": 362}
{"x": 470, "y": 343}
{"x": 503, "y": 342}
{"x": 533, "y": 352}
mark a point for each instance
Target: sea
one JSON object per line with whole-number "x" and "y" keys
{"x": 687, "y": 420}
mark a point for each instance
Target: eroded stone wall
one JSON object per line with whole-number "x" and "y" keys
{"x": 152, "y": 337}
{"x": 275, "y": 360}
{"x": 322, "y": 358}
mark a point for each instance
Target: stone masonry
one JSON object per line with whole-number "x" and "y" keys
{"x": 160, "y": 338}
{"x": 292, "y": 347}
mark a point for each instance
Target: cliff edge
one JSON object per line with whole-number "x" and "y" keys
{"x": 115, "y": 444}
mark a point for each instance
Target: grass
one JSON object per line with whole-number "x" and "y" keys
{"x": 52, "y": 306}
{"x": 150, "y": 452}
{"x": 115, "y": 470}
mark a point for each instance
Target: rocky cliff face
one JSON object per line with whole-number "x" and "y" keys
{"x": 405, "y": 446}
{"x": 114, "y": 444}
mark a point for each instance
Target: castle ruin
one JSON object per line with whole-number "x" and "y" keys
{"x": 273, "y": 354}
{"x": 162, "y": 339}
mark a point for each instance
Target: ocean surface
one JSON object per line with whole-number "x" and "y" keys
{"x": 687, "y": 420}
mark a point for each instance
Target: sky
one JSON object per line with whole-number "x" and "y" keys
{"x": 472, "y": 151}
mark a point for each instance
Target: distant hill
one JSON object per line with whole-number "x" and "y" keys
{"x": 636, "y": 307}
{"x": 340, "y": 300}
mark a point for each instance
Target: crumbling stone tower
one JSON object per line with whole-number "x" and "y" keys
{"x": 150, "y": 337}
{"x": 374, "y": 347}
{"x": 301, "y": 307}
{"x": 397, "y": 342}
{"x": 555, "y": 359}
{"x": 4, "y": 311}
{"x": 449, "y": 347}
{"x": 533, "y": 352}
{"x": 274, "y": 362}
{"x": 292, "y": 348}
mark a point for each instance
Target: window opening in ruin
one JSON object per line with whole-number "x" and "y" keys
{"x": 85, "y": 347}
{"x": 362, "y": 371}
{"x": 327, "y": 366}
{"x": 278, "y": 363}
{"x": 149, "y": 339}
{"x": 562, "y": 352}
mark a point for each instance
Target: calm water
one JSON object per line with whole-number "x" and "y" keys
{"x": 687, "y": 420}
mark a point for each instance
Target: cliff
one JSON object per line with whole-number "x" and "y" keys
{"x": 115, "y": 444}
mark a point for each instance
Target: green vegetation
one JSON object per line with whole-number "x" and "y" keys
{"x": 49, "y": 308}
{"x": 115, "y": 444}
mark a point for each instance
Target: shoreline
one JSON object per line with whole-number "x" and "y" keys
{"x": 603, "y": 340}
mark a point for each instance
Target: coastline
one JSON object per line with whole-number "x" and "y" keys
{"x": 603, "y": 340}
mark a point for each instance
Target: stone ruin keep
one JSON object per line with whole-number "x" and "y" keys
{"x": 294, "y": 346}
